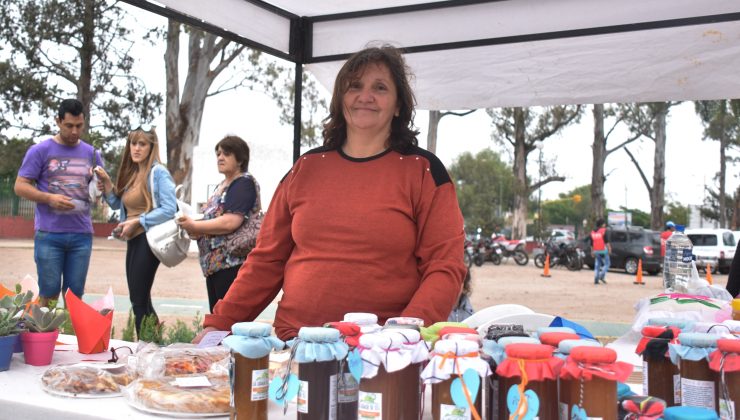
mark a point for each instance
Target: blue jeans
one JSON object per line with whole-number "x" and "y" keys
{"x": 601, "y": 265}
{"x": 62, "y": 260}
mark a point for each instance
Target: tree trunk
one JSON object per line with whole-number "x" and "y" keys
{"x": 87, "y": 51}
{"x": 434, "y": 117}
{"x": 657, "y": 195}
{"x": 521, "y": 192}
{"x": 597, "y": 170}
{"x": 723, "y": 144}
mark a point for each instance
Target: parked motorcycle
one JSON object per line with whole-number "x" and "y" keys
{"x": 562, "y": 254}
{"x": 486, "y": 252}
{"x": 512, "y": 249}
{"x": 468, "y": 253}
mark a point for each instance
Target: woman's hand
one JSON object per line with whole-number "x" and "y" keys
{"x": 187, "y": 223}
{"x": 127, "y": 228}
{"x": 104, "y": 183}
{"x": 202, "y": 334}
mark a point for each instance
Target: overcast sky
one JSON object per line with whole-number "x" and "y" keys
{"x": 690, "y": 161}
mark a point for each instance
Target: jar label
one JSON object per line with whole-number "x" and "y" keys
{"x": 302, "y": 398}
{"x": 260, "y": 384}
{"x": 452, "y": 412}
{"x": 726, "y": 408}
{"x": 563, "y": 413}
{"x": 687, "y": 256}
{"x": 645, "y": 378}
{"x": 676, "y": 389}
{"x": 333, "y": 397}
{"x": 370, "y": 406}
{"x": 348, "y": 388}
{"x": 697, "y": 393}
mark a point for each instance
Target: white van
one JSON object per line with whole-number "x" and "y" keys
{"x": 713, "y": 246}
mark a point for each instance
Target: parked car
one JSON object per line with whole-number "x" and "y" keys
{"x": 713, "y": 246}
{"x": 629, "y": 245}
{"x": 559, "y": 236}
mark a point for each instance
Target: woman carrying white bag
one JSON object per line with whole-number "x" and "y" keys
{"x": 145, "y": 194}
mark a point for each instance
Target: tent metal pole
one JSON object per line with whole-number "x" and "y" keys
{"x": 297, "y": 111}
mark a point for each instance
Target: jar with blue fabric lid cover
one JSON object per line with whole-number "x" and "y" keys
{"x": 698, "y": 382}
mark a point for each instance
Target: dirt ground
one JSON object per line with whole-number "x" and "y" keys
{"x": 569, "y": 294}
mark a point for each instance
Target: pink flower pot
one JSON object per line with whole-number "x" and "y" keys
{"x": 38, "y": 348}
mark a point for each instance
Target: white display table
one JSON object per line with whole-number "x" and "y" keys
{"x": 21, "y": 395}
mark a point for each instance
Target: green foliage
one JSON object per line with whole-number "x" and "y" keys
{"x": 179, "y": 333}
{"x": 151, "y": 330}
{"x": 74, "y": 48}
{"x": 41, "y": 319}
{"x": 129, "y": 332}
{"x": 484, "y": 189}
{"x": 568, "y": 209}
{"x": 677, "y": 213}
{"x": 710, "y": 209}
{"x": 67, "y": 327}
{"x": 10, "y": 309}
{"x": 639, "y": 217}
{"x": 12, "y": 151}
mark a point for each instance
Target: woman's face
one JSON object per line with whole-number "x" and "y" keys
{"x": 227, "y": 163}
{"x": 140, "y": 150}
{"x": 370, "y": 101}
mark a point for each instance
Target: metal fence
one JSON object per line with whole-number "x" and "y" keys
{"x": 12, "y": 205}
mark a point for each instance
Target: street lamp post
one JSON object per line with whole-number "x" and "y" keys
{"x": 539, "y": 145}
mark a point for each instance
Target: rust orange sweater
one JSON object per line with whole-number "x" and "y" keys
{"x": 382, "y": 234}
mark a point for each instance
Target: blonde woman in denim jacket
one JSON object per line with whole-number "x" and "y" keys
{"x": 133, "y": 197}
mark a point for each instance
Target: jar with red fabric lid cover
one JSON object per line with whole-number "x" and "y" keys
{"x": 589, "y": 379}
{"x": 530, "y": 368}
{"x": 660, "y": 377}
{"x": 554, "y": 338}
{"x": 726, "y": 361}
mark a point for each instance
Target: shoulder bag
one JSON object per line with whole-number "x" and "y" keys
{"x": 167, "y": 240}
{"x": 240, "y": 242}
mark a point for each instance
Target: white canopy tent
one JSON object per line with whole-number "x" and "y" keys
{"x": 468, "y": 54}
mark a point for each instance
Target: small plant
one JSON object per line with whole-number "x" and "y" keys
{"x": 151, "y": 330}
{"x": 40, "y": 319}
{"x": 179, "y": 333}
{"x": 129, "y": 332}
{"x": 10, "y": 309}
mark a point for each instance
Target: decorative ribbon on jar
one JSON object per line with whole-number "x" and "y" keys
{"x": 589, "y": 362}
{"x": 456, "y": 357}
{"x": 655, "y": 339}
{"x": 350, "y": 331}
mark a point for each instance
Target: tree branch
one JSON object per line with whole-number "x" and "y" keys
{"x": 624, "y": 143}
{"x": 547, "y": 180}
{"x": 457, "y": 114}
{"x": 639, "y": 169}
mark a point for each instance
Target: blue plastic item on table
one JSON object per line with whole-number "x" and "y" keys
{"x": 578, "y": 328}
{"x": 689, "y": 413}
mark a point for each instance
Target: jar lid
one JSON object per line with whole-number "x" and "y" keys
{"x": 728, "y": 345}
{"x": 594, "y": 355}
{"x": 689, "y": 413}
{"x": 461, "y": 330}
{"x": 400, "y": 336}
{"x": 702, "y": 340}
{"x": 554, "y": 338}
{"x": 251, "y": 329}
{"x": 361, "y": 318}
{"x": 505, "y": 341}
{"x": 400, "y": 327}
{"x": 735, "y": 304}
{"x": 457, "y": 347}
{"x": 375, "y": 339}
{"x": 543, "y": 330}
{"x": 496, "y": 331}
{"x": 318, "y": 334}
{"x": 653, "y": 331}
{"x": 405, "y": 320}
{"x": 671, "y": 322}
{"x": 567, "y": 346}
{"x": 529, "y": 351}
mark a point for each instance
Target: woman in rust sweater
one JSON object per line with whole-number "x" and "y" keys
{"x": 367, "y": 223}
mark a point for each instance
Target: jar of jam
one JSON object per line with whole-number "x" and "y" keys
{"x": 588, "y": 380}
{"x": 698, "y": 381}
{"x": 660, "y": 377}
{"x": 250, "y": 346}
{"x": 529, "y": 367}
{"x": 554, "y": 338}
{"x": 495, "y": 353}
{"x": 726, "y": 362}
{"x": 347, "y": 385}
{"x": 450, "y": 360}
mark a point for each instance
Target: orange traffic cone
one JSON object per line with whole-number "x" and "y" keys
{"x": 638, "y": 279}
{"x": 546, "y": 270}
{"x": 709, "y": 273}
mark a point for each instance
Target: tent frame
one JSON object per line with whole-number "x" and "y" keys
{"x": 300, "y": 48}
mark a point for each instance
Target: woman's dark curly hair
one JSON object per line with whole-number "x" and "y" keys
{"x": 403, "y": 133}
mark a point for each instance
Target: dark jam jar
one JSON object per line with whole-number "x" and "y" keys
{"x": 698, "y": 381}
{"x": 659, "y": 374}
{"x": 726, "y": 363}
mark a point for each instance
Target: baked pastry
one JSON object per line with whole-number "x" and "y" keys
{"x": 161, "y": 395}
{"x": 84, "y": 380}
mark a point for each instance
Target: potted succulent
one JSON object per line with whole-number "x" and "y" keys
{"x": 10, "y": 310}
{"x": 43, "y": 329}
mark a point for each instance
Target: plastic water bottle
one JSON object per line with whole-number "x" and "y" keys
{"x": 677, "y": 263}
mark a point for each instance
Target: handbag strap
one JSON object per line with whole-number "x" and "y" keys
{"x": 151, "y": 187}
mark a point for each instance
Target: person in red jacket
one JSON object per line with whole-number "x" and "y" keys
{"x": 600, "y": 249}
{"x": 670, "y": 227}
{"x": 369, "y": 222}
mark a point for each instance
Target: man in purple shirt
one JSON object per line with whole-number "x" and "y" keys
{"x": 55, "y": 174}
